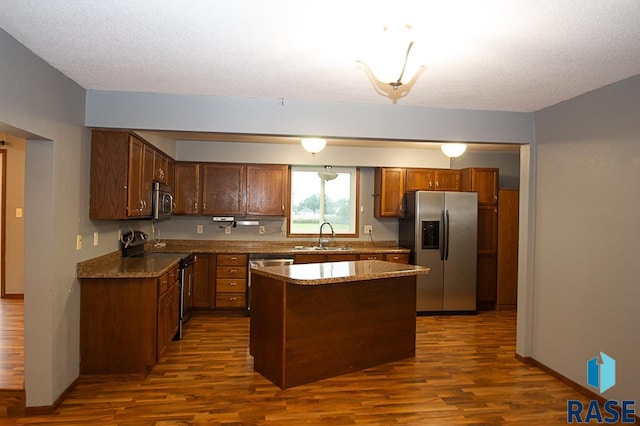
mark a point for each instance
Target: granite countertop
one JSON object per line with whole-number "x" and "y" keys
{"x": 158, "y": 260}
{"x": 290, "y": 247}
{"x": 151, "y": 265}
{"x": 338, "y": 272}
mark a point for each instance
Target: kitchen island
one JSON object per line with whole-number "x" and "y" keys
{"x": 314, "y": 321}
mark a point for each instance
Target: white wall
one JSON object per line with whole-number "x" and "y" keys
{"x": 587, "y": 239}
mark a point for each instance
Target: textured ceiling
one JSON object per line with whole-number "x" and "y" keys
{"x": 508, "y": 55}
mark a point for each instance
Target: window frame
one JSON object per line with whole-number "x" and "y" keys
{"x": 356, "y": 204}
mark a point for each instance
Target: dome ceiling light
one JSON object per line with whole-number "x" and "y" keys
{"x": 453, "y": 150}
{"x": 313, "y": 145}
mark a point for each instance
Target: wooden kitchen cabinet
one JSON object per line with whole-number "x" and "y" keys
{"x": 168, "y": 310}
{"x": 508, "y": 229}
{"x": 163, "y": 168}
{"x": 484, "y": 181}
{"x": 126, "y": 323}
{"x": 267, "y": 189}
{"x": 397, "y": 257}
{"x": 389, "y": 188}
{"x": 231, "y": 281}
{"x": 121, "y": 176}
{"x": 418, "y": 179}
{"x": 488, "y": 229}
{"x": 186, "y": 195}
{"x": 204, "y": 275}
{"x": 223, "y": 189}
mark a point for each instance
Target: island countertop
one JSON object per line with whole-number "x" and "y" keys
{"x": 338, "y": 272}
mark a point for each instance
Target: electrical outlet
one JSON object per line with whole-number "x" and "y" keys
{"x": 261, "y": 230}
{"x": 96, "y": 239}
{"x": 227, "y": 229}
{"x": 78, "y": 242}
{"x": 368, "y": 229}
{"x": 200, "y": 229}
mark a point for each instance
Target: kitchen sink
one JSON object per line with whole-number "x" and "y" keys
{"x": 323, "y": 248}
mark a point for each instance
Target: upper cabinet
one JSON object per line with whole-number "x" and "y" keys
{"x": 432, "y": 180}
{"x": 223, "y": 189}
{"x": 163, "y": 168}
{"x": 267, "y": 189}
{"x": 186, "y": 195}
{"x": 392, "y": 182}
{"x": 231, "y": 189}
{"x": 122, "y": 171}
{"x": 484, "y": 181}
{"x": 389, "y": 190}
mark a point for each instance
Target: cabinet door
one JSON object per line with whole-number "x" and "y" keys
{"x": 135, "y": 202}
{"x": 447, "y": 180}
{"x": 487, "y": 229}
{"x": 223, "y": 189}
{"x": 484, "y": 181}
{"x": 146, "y": 183}
{"x": 187, "y": 188}
{"x": 204, "y": 281}
{"x": 109, "y": 175}
{"x": 160, "y": 167}
{"x": 266, "y": 189}
{"x": 486, "y": 290}
{"x": 389, "y": 192}
{"x": 420, "y": 180}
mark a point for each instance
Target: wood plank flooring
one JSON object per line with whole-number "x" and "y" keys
{"x": 11, "y": 344}
{"x": 464, "y": 373}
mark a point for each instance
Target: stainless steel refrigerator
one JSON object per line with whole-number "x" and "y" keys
{"x": 441, "y": 229}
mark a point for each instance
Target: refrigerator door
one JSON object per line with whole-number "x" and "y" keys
{"x": 459, "y": 292}
{"x": 429, "y": 249}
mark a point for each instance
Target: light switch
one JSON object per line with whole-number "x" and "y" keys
{"x": 79, "y": 242}
{"x": 96, "y": 238}
{"x": 18, "y": 212}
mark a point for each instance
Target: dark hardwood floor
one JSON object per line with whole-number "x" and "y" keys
{"x": 464, "y": 373}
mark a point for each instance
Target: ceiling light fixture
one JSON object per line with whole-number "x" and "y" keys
{"x": 390, "y": 64}
{"x": 313, "y": 145}
{"x": 453, "y": 150}
{"x": 327, "y": 174}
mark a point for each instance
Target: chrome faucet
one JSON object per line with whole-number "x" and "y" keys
{"x": 320, "y": 240}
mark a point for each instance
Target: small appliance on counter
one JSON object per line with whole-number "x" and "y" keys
{"x": 132, "y": 243}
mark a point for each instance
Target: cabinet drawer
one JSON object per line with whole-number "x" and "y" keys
{"x": 397, "y": 257}
{"x": 231, "y": 272}
{"x": 232, "y": 259}
{"x": 231, "y": 300}
{"x": 163, "y": 283}
{"x": 231, "y": 286}
{"x": 372, "y": 256}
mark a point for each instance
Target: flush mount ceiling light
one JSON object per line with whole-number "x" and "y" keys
{"x": 327, "y": 174}
{"x": 453, "y": 150}
{"x": 313, "y": 145}
{"x": 390, "y": 63}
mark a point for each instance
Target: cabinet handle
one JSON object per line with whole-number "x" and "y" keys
{"x": 233, "y": 271}
{"x": 233, "y": 299}
{"x": 234, "y": 258}
{"x": 233, "y": 284}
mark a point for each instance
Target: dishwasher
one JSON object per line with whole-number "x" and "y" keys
{"x": 261, "y": 260}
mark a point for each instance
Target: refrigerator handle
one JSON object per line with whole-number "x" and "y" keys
{"x": 443, "y": 242}
{"x": 446, "y": 236}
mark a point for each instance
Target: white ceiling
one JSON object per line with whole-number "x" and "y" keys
{"x": 506, "y": 55}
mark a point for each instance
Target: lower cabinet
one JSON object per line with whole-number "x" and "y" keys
{"x": 204, "y": 290}
{"x": 168, "y": 311}
{"x": 126, "y": 323}
{"x": 231, "y": 281}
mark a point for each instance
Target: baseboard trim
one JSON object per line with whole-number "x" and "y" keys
{"x": 13, "y": 296}
{"x": 581, "y": 389}
{"x": 50, "y": 409}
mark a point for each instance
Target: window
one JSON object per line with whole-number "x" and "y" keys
{"x": 315, "y": 200}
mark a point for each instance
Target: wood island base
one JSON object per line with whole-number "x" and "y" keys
{"x": 303, "y": 333}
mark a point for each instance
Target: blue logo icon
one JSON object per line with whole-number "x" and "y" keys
{"x": 601, "y": 372}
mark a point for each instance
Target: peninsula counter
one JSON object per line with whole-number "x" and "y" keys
{"x": 314, "y": 321}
